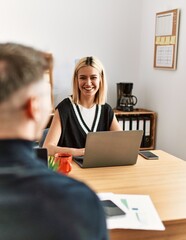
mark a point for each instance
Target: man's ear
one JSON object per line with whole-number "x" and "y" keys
{"x": 32, "y": 108}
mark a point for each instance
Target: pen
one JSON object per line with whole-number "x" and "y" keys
{"x": 137, "y": 214}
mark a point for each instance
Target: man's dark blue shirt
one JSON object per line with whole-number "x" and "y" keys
{"x": 39, "y": 204}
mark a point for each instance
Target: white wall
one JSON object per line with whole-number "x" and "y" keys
{"x": 71, "y": 29}
{"x": 164, "y": 90}
{"x": 121, "y": 34}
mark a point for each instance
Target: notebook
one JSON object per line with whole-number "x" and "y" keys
{"x": 110, "y": 148}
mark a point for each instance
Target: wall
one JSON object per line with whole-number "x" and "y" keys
{"x": 71, "y": 29}
{"x": 164, "y": 90}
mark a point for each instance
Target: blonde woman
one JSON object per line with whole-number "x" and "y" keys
{"x": 85, "y": 111}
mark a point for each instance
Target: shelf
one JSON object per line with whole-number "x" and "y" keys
{"x": 148, "y": 142}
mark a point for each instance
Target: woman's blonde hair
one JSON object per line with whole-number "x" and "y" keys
{"x": 100, "y": 97}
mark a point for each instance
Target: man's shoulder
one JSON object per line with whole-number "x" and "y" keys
{"x": 63, "y": 192}
{"x": 59, "y": 184}
{"x": 56, "y": 180}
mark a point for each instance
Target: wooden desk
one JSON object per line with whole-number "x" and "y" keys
{"x": 164, "y": 180}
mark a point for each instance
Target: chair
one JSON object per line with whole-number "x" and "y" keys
{"x": 45, "y": 131}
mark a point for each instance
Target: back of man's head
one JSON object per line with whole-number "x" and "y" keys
{"x": 19, "y": 66}
{"x": 24, "y": 96}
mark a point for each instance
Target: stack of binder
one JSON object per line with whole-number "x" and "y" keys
{"x": 128, "y": 123}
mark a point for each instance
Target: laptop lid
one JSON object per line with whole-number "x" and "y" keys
{"x": 111, "y": 148}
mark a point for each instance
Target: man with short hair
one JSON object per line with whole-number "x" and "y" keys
{"x": 35, "y": 202}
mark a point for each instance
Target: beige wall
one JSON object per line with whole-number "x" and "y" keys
{"x": 164, "y": 90}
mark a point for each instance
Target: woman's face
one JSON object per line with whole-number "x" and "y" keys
{"x": 88, "y": 81}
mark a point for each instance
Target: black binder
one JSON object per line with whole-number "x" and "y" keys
{"x": 147, "y": 132}
{"x": 140, "y": 126}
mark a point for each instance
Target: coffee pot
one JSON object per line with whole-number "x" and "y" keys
{"x": 125, "y": 100}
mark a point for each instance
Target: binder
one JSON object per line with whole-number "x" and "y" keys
{"x": 147, "y": 132}
{"x": 126, "y": 123}
{"x": 140, "y": 123}
{"x": 133, "y": 123}
{"x": 120, "y": 121}
{"x": 140, "y": 126}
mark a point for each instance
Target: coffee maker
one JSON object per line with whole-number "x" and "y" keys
{"x": 125, "y": 100}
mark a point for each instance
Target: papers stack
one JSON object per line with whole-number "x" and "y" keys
{"x": 139, "y": 209}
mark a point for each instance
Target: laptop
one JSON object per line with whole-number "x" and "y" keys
{"x": 110, "y": 148}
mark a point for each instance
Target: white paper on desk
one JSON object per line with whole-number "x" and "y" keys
{"x": 140, "y": 212}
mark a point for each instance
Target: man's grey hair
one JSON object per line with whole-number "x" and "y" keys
{"x": 20, "y": 66}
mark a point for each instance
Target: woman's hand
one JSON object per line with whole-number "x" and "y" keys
{"x": 78, "y": 151}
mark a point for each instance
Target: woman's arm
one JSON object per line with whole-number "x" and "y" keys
{"x": 53, "y": 136}
{"x": 115, "y": 125}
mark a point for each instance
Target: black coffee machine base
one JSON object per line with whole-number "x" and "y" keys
{"x": 125, "y": 108}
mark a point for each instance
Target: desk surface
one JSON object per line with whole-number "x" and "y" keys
{"x": 164, "y": 180}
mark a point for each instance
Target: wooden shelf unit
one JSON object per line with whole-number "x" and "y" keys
{"x": 140, "y": 112}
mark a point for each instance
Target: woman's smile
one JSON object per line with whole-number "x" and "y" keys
{"x": 88, "y": 81}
